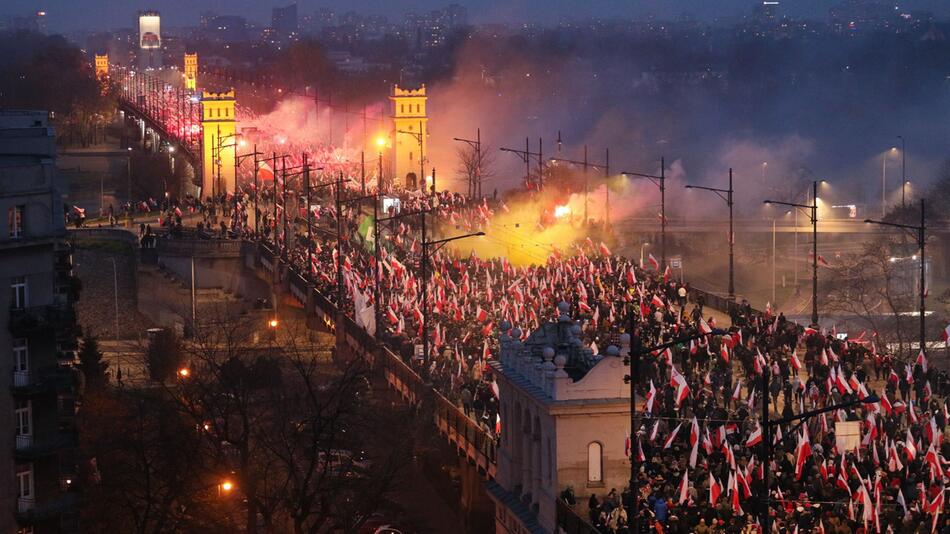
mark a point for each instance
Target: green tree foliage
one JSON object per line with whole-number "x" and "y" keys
{"x": 164, "y": 356}
{"x": 91, "y": 364}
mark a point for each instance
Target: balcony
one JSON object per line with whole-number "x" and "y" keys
{"x": 33, "y": 447}
{"x": 32, "y": 382}
{"x": 25, "y": 505}
{"x": 61, "y": 319}
{"x": 24, "y": 441}
{"x": 30, "y": 511}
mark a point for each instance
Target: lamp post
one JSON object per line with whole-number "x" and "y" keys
{"x": 726, "y": 195}
{"x": 660, "y": 182}
{"x": 903, "y": 171}
{"x": 430, "y": 247}
{"x": 921, "y": 242}
{"x": 813, "y": 215}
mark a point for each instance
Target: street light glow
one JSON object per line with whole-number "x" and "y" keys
{"x": 227, "y": 485}
{"x": 272, "y": 323}
{"x": 380, "y": 141}
{"x": 184, "y": 372}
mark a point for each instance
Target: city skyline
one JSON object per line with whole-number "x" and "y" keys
{"x": 65, "y": 16}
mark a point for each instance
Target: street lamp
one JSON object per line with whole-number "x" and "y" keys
{"x": 380, "y": 145}
{"x": 427, "y": 248}
{"x": 921, "y": 242}
{"x": 726, "y": 195}
{"x": 903, "y": 170}
{"x": 813, "y": 216}
{"x": 660, "y": 182}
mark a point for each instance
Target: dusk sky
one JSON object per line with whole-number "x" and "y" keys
{"x": 70, "y": 15}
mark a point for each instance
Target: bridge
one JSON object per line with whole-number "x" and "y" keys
{"x": 164, "y": 111}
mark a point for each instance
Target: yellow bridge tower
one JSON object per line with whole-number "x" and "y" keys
{"x": 191, "y": 72}
{"x": 409, "y": 135}
{"x": 218, "y": 142}
{"x": 102, "y": 66}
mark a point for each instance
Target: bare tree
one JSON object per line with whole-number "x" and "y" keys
{"x": 474, "y": 167}
{"x": 868, "y": 286}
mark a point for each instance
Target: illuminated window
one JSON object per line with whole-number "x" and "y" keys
{"x": 15, "y": 221}
{"x": 595, "y": 463}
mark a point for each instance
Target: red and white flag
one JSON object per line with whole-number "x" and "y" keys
{"x": 922, "y": 360}
{"x": 715, "y": 489}
{"x": 684, "y": 487}
{"x": 754, "y": 438}
{"x": 672, "y": 437}
{"x": 655, "y": 264}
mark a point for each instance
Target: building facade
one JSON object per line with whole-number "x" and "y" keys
{"x": 565, "y": 414}
{"x": 38, "y": 335}
{"x": 410, "y": 136}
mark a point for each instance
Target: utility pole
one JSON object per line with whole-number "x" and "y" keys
{"x": 586, "y": 164}
{"x": 526, "y": 156}
{"x": 660, "y": 182}
{"x": 812, "y": 211}
{"x": 474, "y": 178}
{"x": 726, "y": 195}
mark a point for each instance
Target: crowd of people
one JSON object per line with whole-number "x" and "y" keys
{"x": 700, "y": 446}
{"x": 700, "y": 443}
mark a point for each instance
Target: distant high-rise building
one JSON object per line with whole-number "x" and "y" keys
{"x": 204, "y": 22}
{"x": 766, "y": 11}
{"x": 284, "y": 19}
{"x": 227, "y": 28}
{"x": 150, "y": 40}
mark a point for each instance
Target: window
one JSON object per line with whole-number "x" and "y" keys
{"x": 18, "y": 294}
{"x": 21, "y": 355}
{"x": 595, "y": 463}
{"x": 24, "y": 418}
{"x": 402, "y": 108}
{"x": 25, "y": 487}
{"x": 15, "y": 221}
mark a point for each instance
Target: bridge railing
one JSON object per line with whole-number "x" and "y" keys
{"x": 570, "y": 522}
{"x": 476, "y": 442}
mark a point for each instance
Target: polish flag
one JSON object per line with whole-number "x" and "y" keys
{"x": 704, "y": 327}
{"x": 651, "y": 396}
{"x": 754, "y": 438}
{"x": 715, "y": 489}
{"x": 604, "y": 250}
{"x": 909, "y": 448}
{"x": 796, "y": 364}
{"x": 810, "y": 331}
{"x": 823, "y": 359}
{"x": 391, "y": 316}
{"x": 631, "y": 277}
{"x": 672, "y": 437}
{"x": 666, "y": 275}
{"x": 480, "y": 314}
{"x": 684, "y": 487}
{"x": 658, "y": 302}
{"x": 802, "y": 452}
{"x": 724, "y": 353}
{"x": 945, "y": 334}
{"x": 678, "y": 381}
{"x": 265, "y": 172}
{"x": 654, "y": 263}
{"x": 922, "y": 360}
